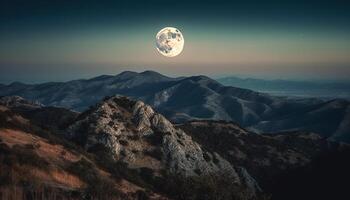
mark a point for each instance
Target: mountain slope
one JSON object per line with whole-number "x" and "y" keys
{"x": 292, "y": 165}
{"x": 264, "y": 156}
{"x": 140, "y": 137}
{"x": 130, "y": 151}
{"x": 123, "y": 149}
{"x": 37, "y": 164}
{"x": 80, "y": 94}
{"x": 197, "y": 97}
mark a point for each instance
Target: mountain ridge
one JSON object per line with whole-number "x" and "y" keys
{"x": 197, "y": 97}
{"x": 297, "y": 89}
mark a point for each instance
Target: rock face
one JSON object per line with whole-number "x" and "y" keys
{"x": 139, "y": 136}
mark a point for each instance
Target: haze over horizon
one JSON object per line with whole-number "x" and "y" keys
{"x": 243, "y": 77}
{"x": 61, "y": 41}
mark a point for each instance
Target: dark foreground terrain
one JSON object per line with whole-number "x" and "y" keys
{"x": 123, "y": 149}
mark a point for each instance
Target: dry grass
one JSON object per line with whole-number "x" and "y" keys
{"x": 51, "y": 152}
{"x": 3, "y": 108}
{"x": 12, "y": 137}
{"x": 52, "y": 174}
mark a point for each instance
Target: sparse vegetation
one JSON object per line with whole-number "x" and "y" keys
{"x": 124, "y": 102}
{"x": 155, "y": 153}
{"x": 146, "y": 173}
{"x": 118, "y": 169}
{"x": 155, "y": 139}
{"x": 142, "y": 195}
{"x": 206, "y": 157}
{"x": 215, "y": 160}
{"x": 16, "y": 181}
{"x": 198, "y": 171}
{"x": 99, "y": 187}
{"x": 134, "y": 137}
{"x": 205, "y": 187}
{"x": 134, "y": 151}
{"x": 19, "y": 155}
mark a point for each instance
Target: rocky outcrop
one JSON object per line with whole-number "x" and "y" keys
{"x": 141, "y": 137}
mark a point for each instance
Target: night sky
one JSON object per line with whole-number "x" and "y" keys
{"x": 63, "y": 40}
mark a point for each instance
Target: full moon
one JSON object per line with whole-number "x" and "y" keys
{"x": 170, "y": 42}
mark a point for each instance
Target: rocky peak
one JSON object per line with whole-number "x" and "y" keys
{"x": 141, "y": 137}
{"x": 146, "y": 120}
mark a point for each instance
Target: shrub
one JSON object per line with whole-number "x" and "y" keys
{"x": 146, "y": 173}
{"x": 19, "y": 155}
{"x": 134, "y": 151}
{"x": 180, "y": 142}
{"x": 134, "y": 137}
{"x": 205, "y": 187}
{"x": 156, "y": 153}
{"x": 206, "y": 157}
{"x": 142, "y": 195}
{"x": 99, "y": 187}
{"x": 124, "y": 102}
{"x": 197, "y": 171}
{"x": 215, "y": 160}
{"x": 102, "y": 188}
{"x": 124, "y": 142}
{"x": 155, "y": 139}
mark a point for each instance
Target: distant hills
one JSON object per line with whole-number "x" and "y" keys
{"x": 319, "y": 89}
{"x": 198, "y": 97}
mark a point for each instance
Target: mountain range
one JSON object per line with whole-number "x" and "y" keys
{"x": 122, "y": 148}
{"x": 197, "y": 97}
{"x": 299, "y": 89}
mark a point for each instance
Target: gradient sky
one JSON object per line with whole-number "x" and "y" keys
{"x": 64, "y": 40}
